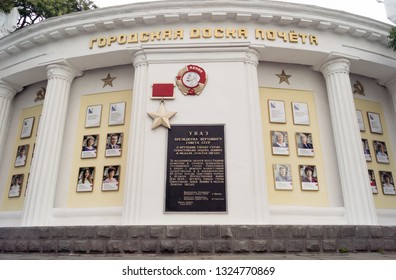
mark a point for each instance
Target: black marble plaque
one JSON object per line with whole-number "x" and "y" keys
{"x": 195, "y": 173}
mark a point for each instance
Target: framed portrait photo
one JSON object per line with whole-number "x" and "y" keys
{"x": 381, "y": 153}
{"x": 304, "y": 144}
{"x": 276, "y": 109}
{"x": 374, "y": 122}
{"x": 359, "y": 116}
{"x": 282, "y": 177}
{"x": 300, "y": 113}
{"x": 27, "y": 127}
{"x": 93, "y": 116}
{"x": 309, "y": 178}
{"x": 366, "y": 149}
{"x": 373, "y": 183}
{"x": 117, "y": 113}
{"x": 89, "y": 146}
{"x": 16, "y": 185}
{"x": 114, "y": 144}
{"x": 111, "y": 178}
{"x": 387, "y": 183}
{"x": 85, "y": 181}
{"x": 279, "y": 142}
{"x": 22, "y": 153}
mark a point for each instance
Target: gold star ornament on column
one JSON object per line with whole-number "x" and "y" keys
{"x": 161, "y": 117}
{"x": 108, "y": 80}
{"x": 283, "y": 77}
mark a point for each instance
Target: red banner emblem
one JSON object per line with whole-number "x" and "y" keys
{"x": 191, "y": 80}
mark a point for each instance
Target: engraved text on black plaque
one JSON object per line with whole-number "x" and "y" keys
{"x": 195, "y": 175}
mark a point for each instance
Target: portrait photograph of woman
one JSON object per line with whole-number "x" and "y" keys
{"x": 89, "y": 146}
{"x": 280, "y": 144}
{"x": 85, "y": 181}
{"x": 388, "y": 185}
{"x": 309, "y": 179}
{"x": 304, "y": 144}
{"x": 111, "y": 175}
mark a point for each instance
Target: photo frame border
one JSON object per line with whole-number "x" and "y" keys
{"x": 285, "y": 135}
{"x": 119, "y": 175}
{"x": 370, "y": 123}
{"x": 269, "y": 111}
{"x": 300, "y": 175}
{"x": 100, "y": 116}
{"x": 375, "y": 151}
{"x": 30, "y": 130}
{"x": 97, "y": 146}
{"x": 93, "y": 178}
{"x": 123, "y": 117}
{"x": 122, "y": 144}
{"x": 21, "y": 185}
{"x": 294, "y": 118}
{"x": 297, "y": 133}
{"x": 275, "y": 168}
{"x": 27, "y": 155}
{"x": 381, "y": 174}
{"x": 359, "y": 116}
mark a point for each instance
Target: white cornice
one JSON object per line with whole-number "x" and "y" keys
{"x": 260, "y": 12}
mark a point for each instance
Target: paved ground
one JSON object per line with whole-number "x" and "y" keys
{"x": 302, "y": 256}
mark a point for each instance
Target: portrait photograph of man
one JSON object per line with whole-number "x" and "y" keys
{"x": 114, "y": 144}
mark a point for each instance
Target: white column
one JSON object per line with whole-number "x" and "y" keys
{"x": 44, "y": 171}
{"x": 391, "y": 86}
{"x": 358, "y": 199}
{"x": 134, "y": 177}
{"x": 7, "y": 93}
{"x": 256, "y": 145}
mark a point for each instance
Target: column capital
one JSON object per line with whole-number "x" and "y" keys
{"x": 252, "y": 57}
{"x": 337, "y": 65}
{"x": 391, "y": 85}
{"x": 61, "y": 71}
{"x": 139, "y": 58}
{"x": 8, "y": 90}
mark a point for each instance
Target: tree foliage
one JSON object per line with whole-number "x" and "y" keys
{"x": 32, "y": 11}
{"x": 392, "y": 38}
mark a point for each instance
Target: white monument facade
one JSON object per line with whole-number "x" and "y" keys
{"x": 71, "y": 85}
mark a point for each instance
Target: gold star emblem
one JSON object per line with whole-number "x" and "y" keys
{"x": 161, "y": 117}
{"x": 283, "y": 77}
{"x": 108, "y": 80}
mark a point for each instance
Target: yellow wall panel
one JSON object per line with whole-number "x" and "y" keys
{"x": 16, "y": 203}
{"x": 99, "y": 198}
{"x": 380, "y": 200}
{"x": 296, "y": 196}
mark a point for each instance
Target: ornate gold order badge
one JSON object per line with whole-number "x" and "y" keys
{"x": 191, "y": 80}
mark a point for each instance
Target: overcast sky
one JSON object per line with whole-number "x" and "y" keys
{"x": 368, "y": 8}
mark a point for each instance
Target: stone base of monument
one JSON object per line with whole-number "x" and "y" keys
{"x": 195, "y": 240}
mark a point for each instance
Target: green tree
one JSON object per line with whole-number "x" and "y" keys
{"x": 392, "y": 38}
{"x": 33, "y": 11}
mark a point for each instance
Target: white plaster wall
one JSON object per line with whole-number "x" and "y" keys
{"x": 223, "y": 101}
